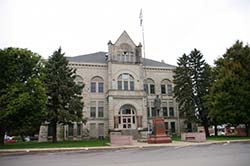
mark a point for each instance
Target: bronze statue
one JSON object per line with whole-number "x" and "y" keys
{"x": 157, "y": 104}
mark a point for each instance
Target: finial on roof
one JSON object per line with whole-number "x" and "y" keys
{"x": 139, "y": 45}
{"x": 109, "y": 43}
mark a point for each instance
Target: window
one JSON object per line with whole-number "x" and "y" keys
{"x": 172, "y": 124}
{"x": 92, "y": 130}
{"x": 170, "y": 90}
{"x": 132, "y": 86}
{"x": 97, "y": 109}
{"x": 93, "y": 87}
{"x": 71, "y": 129}
{"x": 125, "y": 82}
{"x": 149, "y": 86}
{"x": 166, "y": 84}
{"x": 79, "y": 129}
{"x": 163, "y": 89}
{"x": 171, "y": 109}
{"x": 100, "y": 109}
{"x": 97, "y": 85}
{"x": 152, "y": 88}
{"x": 165, "y": 111}
{"x": 100, "y": 87}
{"x": 119, "y": 85}
{"x": 101, "y": 130}
{"x": 92, "y": 112}
{"x": 125, "y": 85}
{"x": 153, "y": 111}
{"x": 93, "y": 109}
{"x": 126, "y": 52}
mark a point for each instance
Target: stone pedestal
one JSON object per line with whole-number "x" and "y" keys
{"x": 193, "y": 137}
{"x": 43, "y": 133}
{"x": 159, "y": 132}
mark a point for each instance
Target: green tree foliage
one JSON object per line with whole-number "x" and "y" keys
{"x": 230, "y": 93}
{"x": 22, "y": 92}
{"x": 192, "y": 80}
{"x": 64, "y": 95}
{"x": 183, "y": 89}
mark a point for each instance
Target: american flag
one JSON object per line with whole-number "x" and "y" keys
{"x": 141, "y": 17}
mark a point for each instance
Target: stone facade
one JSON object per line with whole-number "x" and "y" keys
{"x": 119, "y": 92}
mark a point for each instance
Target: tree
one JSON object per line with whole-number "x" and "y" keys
{"x": 22, "y": 92}
{"x": 64, "y": 100}
{"x": 229, "y": 97}
{"x": 192, "y": 80}
{"x": 183, "y": 90}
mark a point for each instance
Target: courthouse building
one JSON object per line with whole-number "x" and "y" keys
{"x": 119, "y": 93}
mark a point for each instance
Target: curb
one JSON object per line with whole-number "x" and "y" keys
{"x": 114, "y": 147}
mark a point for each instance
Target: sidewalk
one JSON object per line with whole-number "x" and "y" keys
{"x": 177, "y": 144}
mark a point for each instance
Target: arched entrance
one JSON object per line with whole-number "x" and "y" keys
{"x": 127, "y": 117}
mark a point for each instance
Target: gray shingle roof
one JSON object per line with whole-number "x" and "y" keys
{"x": 100, "y": 57}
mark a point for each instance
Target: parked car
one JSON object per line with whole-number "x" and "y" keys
{"x": 9, "y": 139}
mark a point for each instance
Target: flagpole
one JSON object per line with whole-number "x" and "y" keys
{"x": 144, "y": 65}
{"x": 143, "y": 39}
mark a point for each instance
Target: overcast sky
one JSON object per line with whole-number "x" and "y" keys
{"x": 172, "y": 27}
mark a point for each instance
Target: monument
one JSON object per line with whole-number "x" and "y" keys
{"x": 159, "y": 130}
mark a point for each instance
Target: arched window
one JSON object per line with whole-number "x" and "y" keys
{"x": 97, "y": 85}
{"x": 127, "y": 117}
{"x": 125, "y": 82}
{"x": 166, "y": 87}
{"x": 149, "y": 86}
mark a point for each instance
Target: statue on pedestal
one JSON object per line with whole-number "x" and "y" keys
{"x": 159, "y": 130}
{"x": 157, "y": 105}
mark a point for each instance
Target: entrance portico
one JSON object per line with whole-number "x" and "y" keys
{"x": 126, "y": 117}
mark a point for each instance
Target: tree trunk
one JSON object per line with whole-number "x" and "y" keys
{"x": 247, "y": 129}
{"x": 2, "y": 133}
{"x": 22, "y": 137}
{"x": 205, "y": 125}
{"x": 215, "y": 130}
{"x": 54, "y": 131}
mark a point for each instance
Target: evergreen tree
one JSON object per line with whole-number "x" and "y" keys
{"x": 64, "y": 95}
{"x": 22, "y": 91}
{"x": 230, "y": 93}
{"x": 192, "y": 80}
{"x": 183, "y": 90}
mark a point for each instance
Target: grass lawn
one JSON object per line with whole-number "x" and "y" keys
{"x": 35, "y": 144}
{"x": 176, "y": 138}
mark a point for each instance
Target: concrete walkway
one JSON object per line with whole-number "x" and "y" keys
{"x": 115, "y": 147}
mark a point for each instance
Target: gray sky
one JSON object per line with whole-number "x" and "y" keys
{"x": 172, "y": 27}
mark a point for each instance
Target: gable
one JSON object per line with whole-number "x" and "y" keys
{"x": 124, "y": 38}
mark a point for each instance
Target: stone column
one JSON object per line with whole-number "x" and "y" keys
{"x": 139, "y": 121}
{"x": 43, "y": 133}
{"x": 116, "y": 121}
